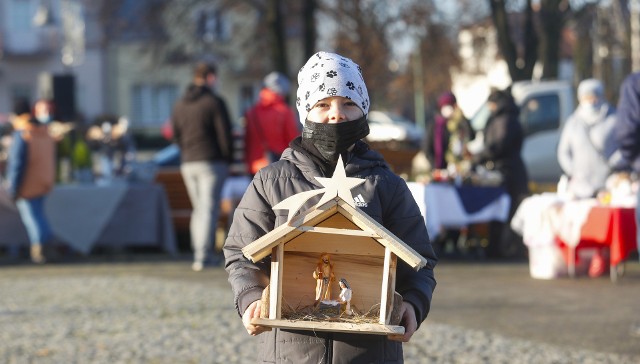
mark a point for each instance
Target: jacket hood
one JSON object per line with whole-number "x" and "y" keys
{"x": 269, "y": 97}
{"x": 360, "y": 159}
{"x": 194, "y": 92}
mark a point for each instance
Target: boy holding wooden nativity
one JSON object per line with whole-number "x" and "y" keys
{"x": 333, "y": 103}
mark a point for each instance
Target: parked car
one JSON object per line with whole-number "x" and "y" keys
{"x": 545, "y": 106}
{"x": 390, "y": 127}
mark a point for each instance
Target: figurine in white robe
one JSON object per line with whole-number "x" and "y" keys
{"x": 345, "y": 295}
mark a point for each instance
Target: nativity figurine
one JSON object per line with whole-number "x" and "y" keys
{"x": 323, "y": 275}
{"x": 345, "y": 295}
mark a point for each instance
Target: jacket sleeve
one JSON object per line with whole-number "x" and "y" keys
{"x": 17, "y": 164}
{"x": 403, "y": 219}
{"x": 564, "y": 148}
{"x": 253, "y": 146}
{"x": 611, "y": 147}
{"x": 252, "y": 219}
{"x": 222, "y": 127}
{"x": 628, "y": 121}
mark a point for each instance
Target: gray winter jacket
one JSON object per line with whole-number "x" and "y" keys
{"x": 386, "y": 199}
{"x": 587, "y": 149}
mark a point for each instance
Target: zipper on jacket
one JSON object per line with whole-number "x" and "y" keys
{"x": 329, "y": 352}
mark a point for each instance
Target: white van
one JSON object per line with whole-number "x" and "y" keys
{"x": 544, "y": 108}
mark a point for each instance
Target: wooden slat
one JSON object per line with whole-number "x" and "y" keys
{"x": 392, "y": 287}
{"x": 384, "y": 295}
{"x": 349, "y": 232}
{"x": 275, "y": 299}
{"x": 335, "y": 244}
{"x": 261, "y": 247}
{"x": 331, "y": 326}
{"x": 365, "y": 222}
{"x": 338, "y": 221}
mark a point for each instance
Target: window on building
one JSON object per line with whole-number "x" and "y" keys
{"x": 213, "y": 26}
{"x": 152, "y": 104}
{"x": 20, "y": 15}
{"x": 21, "y": 92}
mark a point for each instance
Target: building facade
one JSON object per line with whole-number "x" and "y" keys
{"x": 52, "y": 49}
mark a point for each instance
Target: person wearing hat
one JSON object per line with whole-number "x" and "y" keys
{"x": 448, "y": 135}
{"x": 270, "y": 124}
{"x": 333, "y": 103}
{"x": 586, "y": 151}
{"x": 446, "y": 149}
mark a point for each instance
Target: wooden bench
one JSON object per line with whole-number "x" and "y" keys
{"x": 180, "y": 204}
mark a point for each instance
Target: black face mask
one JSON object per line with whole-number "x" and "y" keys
{"x": 333, "y": 139}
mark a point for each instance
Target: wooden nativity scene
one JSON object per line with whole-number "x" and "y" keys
{"x": 333, "y": 268}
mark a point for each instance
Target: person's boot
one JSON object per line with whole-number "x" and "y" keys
{"x": 36, "y": 254}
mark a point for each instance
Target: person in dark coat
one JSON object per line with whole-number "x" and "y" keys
{"x": 202, "y": 131}
{"x": 503, "y": 138}
{"x": 333, "y": 102}
{"x": 628, "y": 129}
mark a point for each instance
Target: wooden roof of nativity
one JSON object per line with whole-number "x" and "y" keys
{"x": 305, "y": 222}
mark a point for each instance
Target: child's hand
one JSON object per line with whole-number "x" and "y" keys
{"x": 253, "y": 311}
{"x": 408, "y": 314}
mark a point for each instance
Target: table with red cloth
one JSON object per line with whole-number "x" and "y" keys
{"x": 610, "y": 227}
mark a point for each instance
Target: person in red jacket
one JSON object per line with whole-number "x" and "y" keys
{"x": 270, "y": 124}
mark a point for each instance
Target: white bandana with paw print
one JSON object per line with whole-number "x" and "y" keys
{"x": 326, "y": 75}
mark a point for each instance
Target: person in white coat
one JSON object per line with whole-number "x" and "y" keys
{"x": 587, "y": 147}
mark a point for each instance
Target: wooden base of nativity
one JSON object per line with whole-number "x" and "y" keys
{"x": 326, "y": 317}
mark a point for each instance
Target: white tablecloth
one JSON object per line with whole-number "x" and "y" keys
{"x": 442, "y": 207}
{"x": 86, "y": 216}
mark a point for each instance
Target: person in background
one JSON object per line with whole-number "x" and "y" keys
{"x": 333, "y": 102}
{"x": 44, "y": 111}
{"x": 6, "y": 130}
{"x": 628, "y": 131}
{"x": 503, "y": 138}
{"x": 586, "y": 151}
{"x": 115, "y": 145}
{"x": 448, "y": 135}
{"x": 31, "y": 176}
{"x": 270, "y": 124}
{"x": 202, "y": 131}
{"x": 446, "y": 149}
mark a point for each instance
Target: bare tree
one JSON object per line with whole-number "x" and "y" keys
{"x": 369, "y": 32}
{"x": 520, "y": 64}
{"x": 276, "y": 24}
{"x": 309, "y": 27}
{"x": 582, "y": 23}
{"x": 552, "y": 19}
